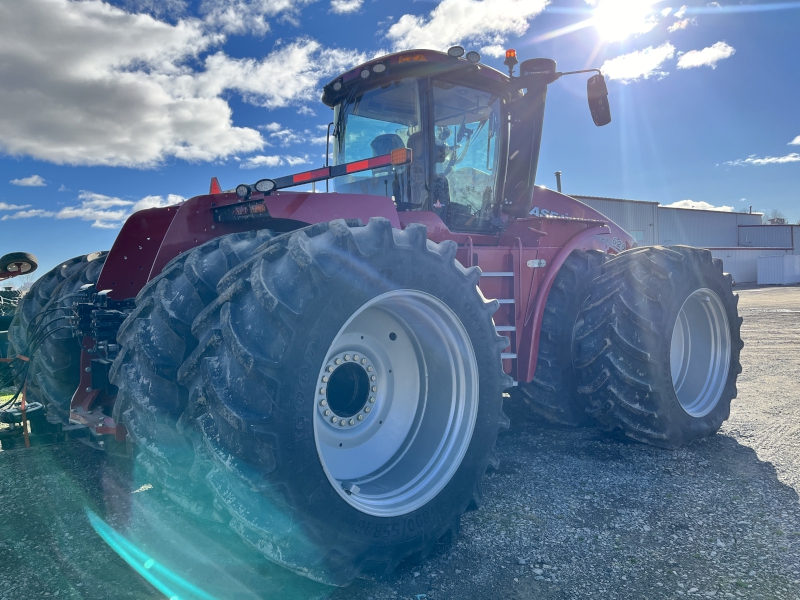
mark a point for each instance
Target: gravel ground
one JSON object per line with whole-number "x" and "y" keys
{"x": 571, "y": 513}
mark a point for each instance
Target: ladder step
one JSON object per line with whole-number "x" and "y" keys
{"x": 505, "y": 300}
{"x": 506, "y": 355}
{"x": 505, "y": 328}
{"x": 497, "y": 274}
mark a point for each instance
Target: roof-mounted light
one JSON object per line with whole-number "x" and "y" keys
{"x": 265, "y": 186}
{"x": 456, "y": 52}
{"x": 364, "y": 73}
{"x": 378, "y": 68}
{"x": 473, "y": 57}
{"x": 337, "y": 85}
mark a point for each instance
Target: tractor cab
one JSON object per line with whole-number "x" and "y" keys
{"x": 448, "y": 111}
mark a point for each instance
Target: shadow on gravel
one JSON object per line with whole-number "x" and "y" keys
{"x": 571, "y": 513}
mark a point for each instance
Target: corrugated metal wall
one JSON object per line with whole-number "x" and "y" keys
{"x": 766, "y": 236}
{"x": 702, "y": 228}
{"x": 742, "y": 263}
{"x": 631, "y": 215}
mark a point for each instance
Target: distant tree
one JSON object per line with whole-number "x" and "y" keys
{"x": 773, "y": 213}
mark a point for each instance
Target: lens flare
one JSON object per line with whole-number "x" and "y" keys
{"x": 616, "y": 20}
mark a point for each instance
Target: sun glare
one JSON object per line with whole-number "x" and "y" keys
{"x": 616, "y": 20}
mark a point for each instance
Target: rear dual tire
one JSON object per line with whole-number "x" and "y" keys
{"x": 657, "y": 346}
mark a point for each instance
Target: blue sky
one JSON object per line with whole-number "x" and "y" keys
{"x": 106, "y": 108}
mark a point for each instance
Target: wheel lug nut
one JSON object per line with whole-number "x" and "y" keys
{"x": 338, "y": 361}
{"x": 330, "y": 369}
{"x": 372, "y": 400}
{"x": 328, "y": 413}
{"x": 342, "y": 422}
{"x": 347, "y": 357}
{"x": 321, "y": 390}
{"x": 374, "y": 388}
{"x": 333, "y": 419}
{"x": 364, "y": 361}
{"x": 360, "y": 417}
{"x": 367, "y": 409}
{"x": 351, "y": 422}
{"x": 325, "y": 379}
{"x": 323, "y": 402}
{"x": 369, "y": 368}
{"x": 355, "y": 357}
{"x": 373, "y": 378}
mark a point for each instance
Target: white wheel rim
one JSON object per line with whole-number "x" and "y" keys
{"x": 700, "y": 352}
{"x": 391, "y": 447}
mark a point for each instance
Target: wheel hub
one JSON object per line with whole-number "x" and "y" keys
{"x": 347, "y": 390}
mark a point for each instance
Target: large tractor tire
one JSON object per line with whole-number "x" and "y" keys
{"x": 40, "y": 330}
{"x": 154, "y": 342}
{"x": 553, "y": 393}
{"x": 349, "y": 386}
{"x": 657, "y": 351}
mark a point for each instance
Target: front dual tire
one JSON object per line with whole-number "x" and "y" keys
{"x": 343, "y": 398}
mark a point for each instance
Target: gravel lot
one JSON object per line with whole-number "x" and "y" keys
{"x": 571, "y": 513}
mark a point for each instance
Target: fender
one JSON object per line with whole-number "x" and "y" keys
{"x": 588, "y": 239}
{"x": 151, "y": 238}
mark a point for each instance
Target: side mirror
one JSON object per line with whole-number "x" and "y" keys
{"x": 17, "y": 263}
{"x": 597, "y": 93}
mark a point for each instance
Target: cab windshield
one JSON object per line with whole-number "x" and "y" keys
{"x": 456, "y": 148}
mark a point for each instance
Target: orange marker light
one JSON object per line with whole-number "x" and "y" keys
{"x": 511, "y": 53}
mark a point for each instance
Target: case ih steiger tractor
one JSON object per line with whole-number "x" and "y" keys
{"x": 325, "y": 371}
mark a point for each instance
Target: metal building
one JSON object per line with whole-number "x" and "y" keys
{"x": 739, "y": 239}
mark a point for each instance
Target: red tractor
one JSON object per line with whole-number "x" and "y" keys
{"x": 325, "y": 371}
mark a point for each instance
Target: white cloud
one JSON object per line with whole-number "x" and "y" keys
{"x": 486, "y": 22}
{"x": 495, "y": 51}
{"x": 682, "y": 24}
{"x": 616, "y": 20}
{"x": 256, "y": 162}
{"x": 666, "y": 11}
{"x": 795, "y": 142}
{"x": 640, "y": 64}
{"x": 698, "y": 205}
{"x": 63, "y": 188}
{"x": 32, "y": 181}
{"x": 248, "y": 16}
{"x": 114, "y": 88}
{"x": 680, "y": 12}
{"x": 707, "y": 57}
{"x": 6, "y": 206}
{"x": 767, "y": 160}
{"x": 346, "y": 6}
{"x": 306, "y": 111}
{"x": 105, "y": 212}
{"x": 289, "y": 137}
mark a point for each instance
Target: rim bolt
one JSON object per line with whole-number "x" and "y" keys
{"x": 323, "y": 402}
{"x": 367, "y": 409}
{"x": 330, "y": 369}
{"x": 324, "y": 379}
{"x": 355, "y": 357}
{"x": 364, "y": 361}
{"x": 342, "y": 422}
{"x": 333, "y": 419}
{"x": 328, "y": 413}
{"x": 369, "y": 368}
{"x": 360, "y": 417}
{"x": 338, "y": 361}
{"x": 373, "y": 378}
{"x": 372, "y": 400}
{"x": 374, "y": 388}
{"x": 321, "y": 390}
{"x": 351, "y": 422}
{"x": 347, "y": 357}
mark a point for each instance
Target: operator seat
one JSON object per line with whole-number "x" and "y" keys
{"x": 385, "y": 143}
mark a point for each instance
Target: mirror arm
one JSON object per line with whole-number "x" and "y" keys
{"x": 559, "y": 74}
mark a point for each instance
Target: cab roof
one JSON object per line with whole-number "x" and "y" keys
{"x": 409, "y": 63}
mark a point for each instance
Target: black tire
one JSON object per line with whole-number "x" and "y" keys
{"x": 622, "y": 347}
{"x": 254, "y": 375}
{"x": 155, "y": 340}
{"x": 553, "y": 395}
{"x": 18, "y": 257}
{"x": 54, "y": 371}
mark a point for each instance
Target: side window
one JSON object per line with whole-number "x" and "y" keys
{"x": 467, "y": 128}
